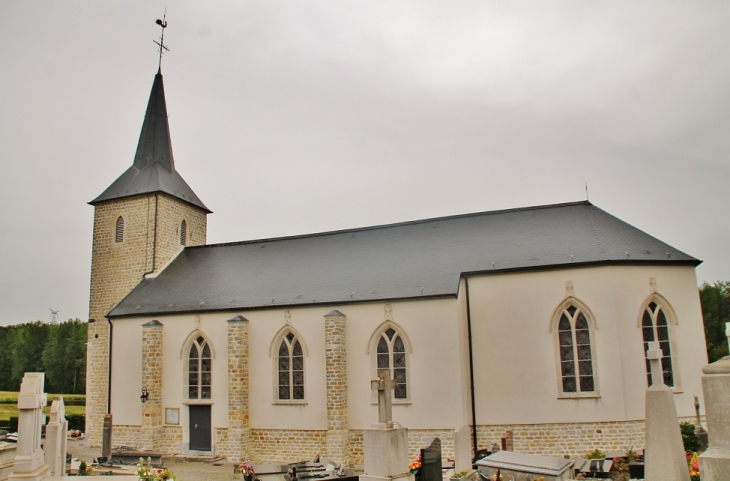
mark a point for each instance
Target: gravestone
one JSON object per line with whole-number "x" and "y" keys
{"x": 700, "y": 432}
{"x": 664, "y": 452}
{"x": 430, "y": 469}
{"x": 7, "y": 459}
{"x": 462, "y": 449}
{"x": 525, "y": 467}
{"x": 385, "y": 444}
{"x": 715, "y": 462}
{"x": 55, "y": 445}
{"x": 29, "y": 460}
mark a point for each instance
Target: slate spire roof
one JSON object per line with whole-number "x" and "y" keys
{"x": 153, "y": 169}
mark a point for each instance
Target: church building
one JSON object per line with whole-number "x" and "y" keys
{"x": 534, "y": 320}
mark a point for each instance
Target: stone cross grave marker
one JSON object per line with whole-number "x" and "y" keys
{"x": 664, "y": 452}
{"x": 55, "y": 445}
{"x": 384, "y": 386}
{"x": 29, "y": 459}
{"x": 654, "y": 354}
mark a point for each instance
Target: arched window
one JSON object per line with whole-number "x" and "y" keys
{"x": 573, "y": 327}
{"x": 290, "y": 363}
{"x": 120, "y": 229}
{"x": 390, "y": 354}
{"x": 183, "y": 232}
{"x": 654, "y": 327}
{"x": 199, "y": 369}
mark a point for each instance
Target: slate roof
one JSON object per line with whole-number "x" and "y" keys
{"x": 419, "y": 259}
{"x": 153, "y": 169}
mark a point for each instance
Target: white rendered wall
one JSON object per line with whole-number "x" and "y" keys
{"x": 515, "y": 360}
{"x": 126, "y": 378}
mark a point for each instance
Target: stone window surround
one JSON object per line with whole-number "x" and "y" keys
{"x": 274, "y": 355}
{"x": 672, "y": 322}
{"x": 372, "y": 349}
{"x": 590, "y": 318}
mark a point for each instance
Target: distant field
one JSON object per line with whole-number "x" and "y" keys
{"x": 8, "y": 410}
{"x": 13, "y": 396}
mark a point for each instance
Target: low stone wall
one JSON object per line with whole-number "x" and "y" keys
{"x": 572, "y": 439}
{"x": 276, "y": 445}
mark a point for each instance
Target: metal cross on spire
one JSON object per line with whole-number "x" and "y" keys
{"x": 161, "y": 44}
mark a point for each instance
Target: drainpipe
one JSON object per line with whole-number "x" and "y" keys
{"x": 471, "y": 370}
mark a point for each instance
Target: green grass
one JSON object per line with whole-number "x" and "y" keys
{"x": 10, "y": 397}
{"x": 11, "y": 408}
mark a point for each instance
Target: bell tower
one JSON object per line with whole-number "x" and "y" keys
{"x": 141, "y": 221}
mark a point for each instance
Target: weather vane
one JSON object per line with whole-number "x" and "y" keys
{"x": 162, "y": 47}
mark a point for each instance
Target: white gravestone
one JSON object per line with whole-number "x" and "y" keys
{"x": 664, "y": 451}
{"x": 385, "y": 444}
{"x": 55, "y": 445}
{"x": 715, "y": 462}
{"x": 29, "y": 459}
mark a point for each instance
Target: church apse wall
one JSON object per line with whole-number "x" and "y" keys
{"x": 528, "y": 388}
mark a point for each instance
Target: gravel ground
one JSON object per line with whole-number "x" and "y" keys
{"x": 183, "y": 470}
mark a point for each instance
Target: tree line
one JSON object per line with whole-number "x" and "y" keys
{"x": 59, "y": 350}
{"x": 715, "y": 299}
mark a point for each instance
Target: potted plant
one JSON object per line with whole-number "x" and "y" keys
{"x": 459, "y": 475}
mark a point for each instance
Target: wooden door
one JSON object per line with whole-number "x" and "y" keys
{"x": 200, "y": 428}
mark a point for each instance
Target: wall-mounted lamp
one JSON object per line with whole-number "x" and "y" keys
{"x": 144, "y": 395}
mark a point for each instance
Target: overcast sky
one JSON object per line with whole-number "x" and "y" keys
{"x": 298, "y": 117}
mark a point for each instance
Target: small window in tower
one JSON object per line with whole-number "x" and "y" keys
{"x": 183, "y": 232}
{"x": 120, "y": 229}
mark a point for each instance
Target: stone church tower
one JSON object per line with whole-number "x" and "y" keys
{"x": 141, "y": 221}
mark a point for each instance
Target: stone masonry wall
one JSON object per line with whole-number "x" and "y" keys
{"x": 234, "y": 442}
{"x": 417, "y": 439}
{"x": 152, "y": 381}
{"x": 573, "y": 439}
{"x": 125, "y": 435}
{"x": 275, "y": 445}
{"x": 336, "y": 372}
{"x": 117, "y": 267}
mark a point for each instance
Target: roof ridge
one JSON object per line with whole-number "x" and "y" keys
{"x": 395, "y": 224}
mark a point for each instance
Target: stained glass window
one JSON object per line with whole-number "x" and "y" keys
{"x": 291, "y": 369}
{"x": 576, "y": 358}
{"x": 199, "y": 370}
{"x": 654, "y": 327}
{"x": 391, "y": 355}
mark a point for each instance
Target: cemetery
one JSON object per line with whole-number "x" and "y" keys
{"x": 386, "y": 453}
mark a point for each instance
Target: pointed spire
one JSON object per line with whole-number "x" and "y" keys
{"x": 154, "y": 140}
{"x": 153, "y": 169}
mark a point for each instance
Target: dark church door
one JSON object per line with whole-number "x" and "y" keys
{"x": 200, "y": 428}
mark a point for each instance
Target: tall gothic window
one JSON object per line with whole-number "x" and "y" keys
{"x": 120, "y": 229}
{"x": 199, "y": 369}
{"x": 391, "y": 355}
{"x": 576, "y": 353}
{"x": 183, "y": 232}
{"x": 654, "y": 327}
{"x": 290, "y": 361}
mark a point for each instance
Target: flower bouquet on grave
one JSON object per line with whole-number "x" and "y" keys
{"x": 415, "y": 465}
{"x": 246, "y": 468}
{"x": 694, "y": 466}
{"x": 148, "y": 473}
